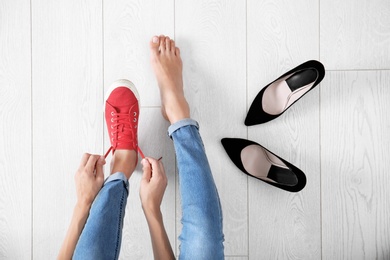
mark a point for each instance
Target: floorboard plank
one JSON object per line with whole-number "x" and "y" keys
{"x": 285, "y": 225}
{"x": 67, "y": 110}
{"x": 15, "y": 130}
{"x": 128, "y": 28}
{"x": 154, "y": 142}
{"x": 355, "y": 35}
{"x": 211, "y": 36}
{"x": 355, "y": 148}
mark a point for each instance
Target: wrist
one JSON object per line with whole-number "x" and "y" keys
{"x": 82, "y": 207}
{"x": 152, "y": 212}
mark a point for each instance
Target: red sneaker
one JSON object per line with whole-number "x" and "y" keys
{"x": 121, "y": 113}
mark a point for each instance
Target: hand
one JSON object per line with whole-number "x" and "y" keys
{"x": 153, "y": 185}
{"x": 89, "y": 178}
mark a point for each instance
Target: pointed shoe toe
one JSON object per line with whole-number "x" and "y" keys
{"x": 256, "y": 115}
{"x": 275, "y": 98}
{"x": 260, "y": 163}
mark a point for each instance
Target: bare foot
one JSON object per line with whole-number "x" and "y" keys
{"x": 168, "y": 67}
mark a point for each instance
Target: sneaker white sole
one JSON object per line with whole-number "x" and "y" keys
{"x": 121, "y": 83}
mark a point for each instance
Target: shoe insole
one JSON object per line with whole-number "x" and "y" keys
{"x": 266, "y": 166}
{"x": 284, "y": 92}
{"x": 301, "y": 78}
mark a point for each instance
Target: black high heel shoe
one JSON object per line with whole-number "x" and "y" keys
{"x": 258, "y": 162}
{"x": 274, "y": 99}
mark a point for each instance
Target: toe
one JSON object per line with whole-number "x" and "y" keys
{"x": 168, "y": 43}
{"x": 154, "y": 44}
{"x": 162, "y": 44}
{"x": 177, "y": 51}
{"x": 173, "y": 46}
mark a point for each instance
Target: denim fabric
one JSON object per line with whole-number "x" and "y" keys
{"x": 201, "y": 237}
{"x": 102, "y": 234}
{"x": 180, "y": 124}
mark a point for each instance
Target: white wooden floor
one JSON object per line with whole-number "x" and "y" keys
{"x": 58, "y": 57}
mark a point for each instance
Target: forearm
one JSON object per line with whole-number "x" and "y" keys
{"x": 79, "y": 217}
{"x": 161, "y": 246}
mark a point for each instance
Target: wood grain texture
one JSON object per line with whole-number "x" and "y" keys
{"x": 67, "y": 110}
{"x": 355, "y": 34}
{"x": 15, "y": 130}
{"x": 51, "y": 98}
{"x": 284, "y": 225}
{"x": 355, "y": 150}
{"x": 154, "y": 142}
{"x": 211, "y": 36}
{"x": 128, "y": 28}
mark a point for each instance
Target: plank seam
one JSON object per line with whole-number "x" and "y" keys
{"x": 32, "y": 135}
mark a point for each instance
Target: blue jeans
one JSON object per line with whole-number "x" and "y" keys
{"x": 201, "y": 237}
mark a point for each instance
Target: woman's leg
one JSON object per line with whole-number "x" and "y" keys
{"x": 202, "y": 236}
{"x": 102, "y": 234}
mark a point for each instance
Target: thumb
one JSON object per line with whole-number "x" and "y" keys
{"x": 147, "y": 170}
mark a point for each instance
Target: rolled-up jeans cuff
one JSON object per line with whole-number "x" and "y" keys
{"x": 118, "y": 176}
{"x": 180, "y": 124}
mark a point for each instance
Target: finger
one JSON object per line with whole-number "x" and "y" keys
{"x": 99, "y": 169}
{"x": 101, "y": 161}
{"x": 91, "y": 164}
{"x": 162, "y": 170}
{"x": 157, "y": 167}
{"x": 84, "y": 159}
{"x": 147, "y": 170}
